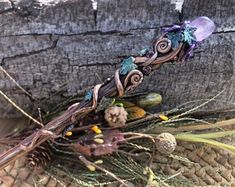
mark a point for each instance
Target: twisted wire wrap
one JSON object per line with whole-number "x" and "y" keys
{"x": 163, "y": 52}
{"x": 133, "y": 79}
{"x": 163, "y": 45}
{"x": 118, "y": 84}
{"x": 95, "y": 96}
{"x": 85, "y": 110}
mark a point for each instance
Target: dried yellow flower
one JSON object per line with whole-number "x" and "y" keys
{"x": 69, "y": 133}
{"x": 96, "y": 129}
{"x": 163, "y": 117}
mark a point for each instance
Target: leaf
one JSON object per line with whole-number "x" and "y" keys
{"x": 127, "y": 65}
{"x": 143, "y": 51}
{"x": 105, "y": 103}
{"x": 188, "y": 35}
{"x": 175, "y": 37}
{"x": 89, "y": 95}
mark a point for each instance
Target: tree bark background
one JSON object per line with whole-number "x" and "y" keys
{"x": 55, "y": 49}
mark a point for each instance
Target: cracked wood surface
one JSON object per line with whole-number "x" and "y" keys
{"x": 66, "y": 46}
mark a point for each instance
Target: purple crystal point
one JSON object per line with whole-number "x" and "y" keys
{"x": 205, "y": 27}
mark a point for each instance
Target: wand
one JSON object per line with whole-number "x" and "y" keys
{"x": 175, "y": 44}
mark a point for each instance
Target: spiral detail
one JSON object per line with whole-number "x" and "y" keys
{"x": 163, "y": 45}
{"x": 133, "y": 79}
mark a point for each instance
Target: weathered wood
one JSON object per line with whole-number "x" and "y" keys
{"x": 134, "y": 15}
{"x": 221, "y": 11}
{"x": 69, "y": 46}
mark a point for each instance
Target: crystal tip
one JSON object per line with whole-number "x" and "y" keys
{"x": 204, "y": 27}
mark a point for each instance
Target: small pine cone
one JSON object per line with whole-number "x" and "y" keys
{"x": 165, "y": 143}
{"x": 116, "y": 116}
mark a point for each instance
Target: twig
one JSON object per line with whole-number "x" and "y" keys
{"x": 40, "y": 115}
{"x": 21, "y": 110}
{"x": 200, "y": 126}
{"x": 172, "y": 176}
{"x": 199, "y": 106}
{"x": 16, "y": 83}
{"x": 147, "y": 118}
{"x": 55, "y": 179}
{"x": 137, "y": 135}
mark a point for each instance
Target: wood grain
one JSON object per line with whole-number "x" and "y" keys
{"x": 60, "y": 45}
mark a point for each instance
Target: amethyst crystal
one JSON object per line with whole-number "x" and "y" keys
{"x": 190, "y": 32}
{"x": 204, "y": 28}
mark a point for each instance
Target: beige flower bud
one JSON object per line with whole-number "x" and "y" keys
{"x": 165, "y": 143}
{"x": 116, "y": 116}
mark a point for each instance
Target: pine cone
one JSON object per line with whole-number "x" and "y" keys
{"x": 116, "y": 116}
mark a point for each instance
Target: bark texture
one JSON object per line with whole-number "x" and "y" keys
{"x": 56, "y": 49}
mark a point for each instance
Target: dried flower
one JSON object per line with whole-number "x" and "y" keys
{"x": 91, "y": 167}
{"x": 163, "y": 117}
{"x": 69, "y": 133}
{"x": 165, "y": 143}
{"x": 96, "y": 129}
{"x": 116, "y": 116}
{"x": 99, "y": 140}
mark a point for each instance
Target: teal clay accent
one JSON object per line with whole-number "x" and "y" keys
{"x": 89, "y": 95}
{"x": 143, "y": 51}
{"x": 188, "y": 35}
{"x": 183, "y": 36}
{"x": 127, "y": 65}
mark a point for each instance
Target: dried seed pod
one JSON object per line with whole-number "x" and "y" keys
{"x": 165, "y": 143}
{"x": 116, "y": 116}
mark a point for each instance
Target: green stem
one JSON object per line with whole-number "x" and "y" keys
{"x": 193, "y": 138}
{"x": 210, "y": 135}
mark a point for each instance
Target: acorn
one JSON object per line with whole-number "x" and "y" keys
{"x": 116, "y": 116}
{"x": 165, "y": 143}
